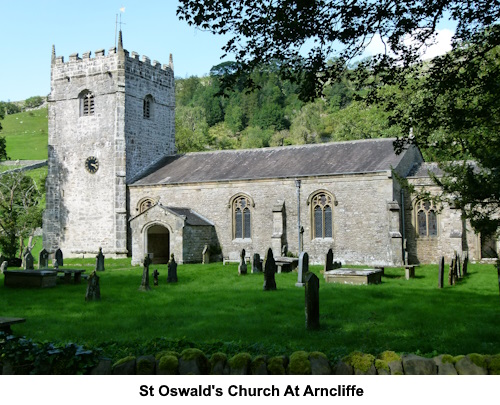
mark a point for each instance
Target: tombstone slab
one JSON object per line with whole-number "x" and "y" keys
{"x": 172, "y": 270}
{"x": 269, "y": 272}
{"x": 242, "y": 267}
{"x": 303, "y": 269}
{"x": 312, "y": 301}
{"x": 99, "y": 261}
{"x": 93, "y": 292}
{"x": 43, "y": 259}
{"x": 354, "y": 276}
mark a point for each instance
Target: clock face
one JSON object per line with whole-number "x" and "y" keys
{"x": 91, "y": 164}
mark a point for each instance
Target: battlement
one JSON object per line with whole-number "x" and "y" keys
{"x": 100, "y": 54}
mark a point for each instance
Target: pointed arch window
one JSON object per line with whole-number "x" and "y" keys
{"x": 322, "y": 215}
{"x": 426, "y": 218}
{"x": 147, "y": 110}
{"x": 241, "y": 210}
{"x": 145, "y": 204}
{"x": 86, "y": 103}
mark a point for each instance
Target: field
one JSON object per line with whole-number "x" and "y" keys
{"x": 214, "y": 308}
{"x": 26, "y": 135}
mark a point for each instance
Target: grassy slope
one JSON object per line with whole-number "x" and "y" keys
{"x": 26, "y": 135}
{"x": 211, "y": 304}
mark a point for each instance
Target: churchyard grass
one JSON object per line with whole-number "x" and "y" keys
{"x": 213, "y": 307}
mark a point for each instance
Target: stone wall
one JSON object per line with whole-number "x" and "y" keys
{"x": 193, "y": 361}
{"x": 453, "y": 234}
{"x": 361, "y": 218}
{"x": 86, "y": 211}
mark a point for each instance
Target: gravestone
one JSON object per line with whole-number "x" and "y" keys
{"x": 256, "y": 264}
{"x": 459, "y": 265}
{"x": 93, "y": 289}
{"x": 303, "y": 269}
{"x": 284, "y": 250}
{"x": 205, "y": 255}
{"x": 145, "y": 274}
{"x": 451, "y": 280}
{"x": 43, "y": 259}
{"x": 59, "y": 257}
{"x": 4, "y": 266}
{"x": 155, "y": 277}
{"x": 242, "y": 267}
{"x": 465, "y": 255}
{"x": 329, "y": 260}
{"x": 99, "y": 261}
{"x": 312, "y": 301}
{"x": 441, "y": 272}
{"x": 55, "y": 264}
{"x": 172, "y": 270}
{"x": 28, "y": 261}
{"x": 270, "y": 269}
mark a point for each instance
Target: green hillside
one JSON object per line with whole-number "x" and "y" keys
{"x": 26, "y": 135}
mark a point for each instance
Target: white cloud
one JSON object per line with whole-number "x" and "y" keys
{"x": 440, "y": 45}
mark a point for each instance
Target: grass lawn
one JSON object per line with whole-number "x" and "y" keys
{"x": 26, "y": 135}
{"x": 214, "y": 308}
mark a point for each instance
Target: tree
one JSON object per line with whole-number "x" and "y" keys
{"x": 451, "y": 104}
{"x": 304, "y": 35}
{"x": 20, "y": 210}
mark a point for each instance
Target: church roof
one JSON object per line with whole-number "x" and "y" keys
{"x": 423, "y": 169}
{"x": 353, "y": 157}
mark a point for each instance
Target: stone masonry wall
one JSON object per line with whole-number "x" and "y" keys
{"x": 361, "y": 225}
{"x": 86, "y": 211}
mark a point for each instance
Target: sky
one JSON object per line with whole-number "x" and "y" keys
{"x": 29, "y": 28}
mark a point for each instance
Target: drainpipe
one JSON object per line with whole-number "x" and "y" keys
{"x": 297, "y": 185}
{"x": 403, "y": 223}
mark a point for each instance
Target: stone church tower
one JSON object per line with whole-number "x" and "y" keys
{"x": 110, "y": 117}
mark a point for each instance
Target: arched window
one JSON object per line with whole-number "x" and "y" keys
{"x": 86, "y": 103}
{"x": 242, "y": 228}
{"x": 147, "y": 110}
{"x": 145, "y": 204}
{"x": 426, "y": 218}
{"x": 322, "y": 215}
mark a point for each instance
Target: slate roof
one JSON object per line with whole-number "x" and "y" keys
{"x": 191, "y": 217}
{"x": 423, "y": 169}
{"x": 365, "y": 156}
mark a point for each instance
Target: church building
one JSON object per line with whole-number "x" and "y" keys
{"x": 115, "y": 182}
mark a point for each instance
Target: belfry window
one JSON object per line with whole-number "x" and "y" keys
{"x": 147, "y": 110}
{"x": 86, "y": 103}
{"x": 322, "y": 215}
{"x": 426, "y": 219}
{"x": 241, "y": 218}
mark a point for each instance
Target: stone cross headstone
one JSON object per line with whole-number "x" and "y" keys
{"x": 329, "y": 260}
{"x": 256, "y": 264}
{"x": 28, "y": 261}
{"x": 172, "y": 270}
{"x": 312, "y": 301}
{"x": 59, "y": 257}
{"x": 303, "y": 269}
{"x": 43, "y": 259}
{"x": 242, "y": 267}
{"x": 270, "y": 269}
{"x": 145, "y": 274}
{"x": 441, "y": 273}
{"x": 93, "y": 289}
{"x": 4, "y": 266}
{"x": 206, "y": 255}
{"x": 99, "y": 261}
{"x": 155, "y": 277}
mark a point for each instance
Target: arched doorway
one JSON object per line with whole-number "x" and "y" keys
{"x": 158, "y": 243}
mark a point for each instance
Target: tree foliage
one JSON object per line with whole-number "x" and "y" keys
{"x": 449, "y": 105}
{"x": 20, "y": 211}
